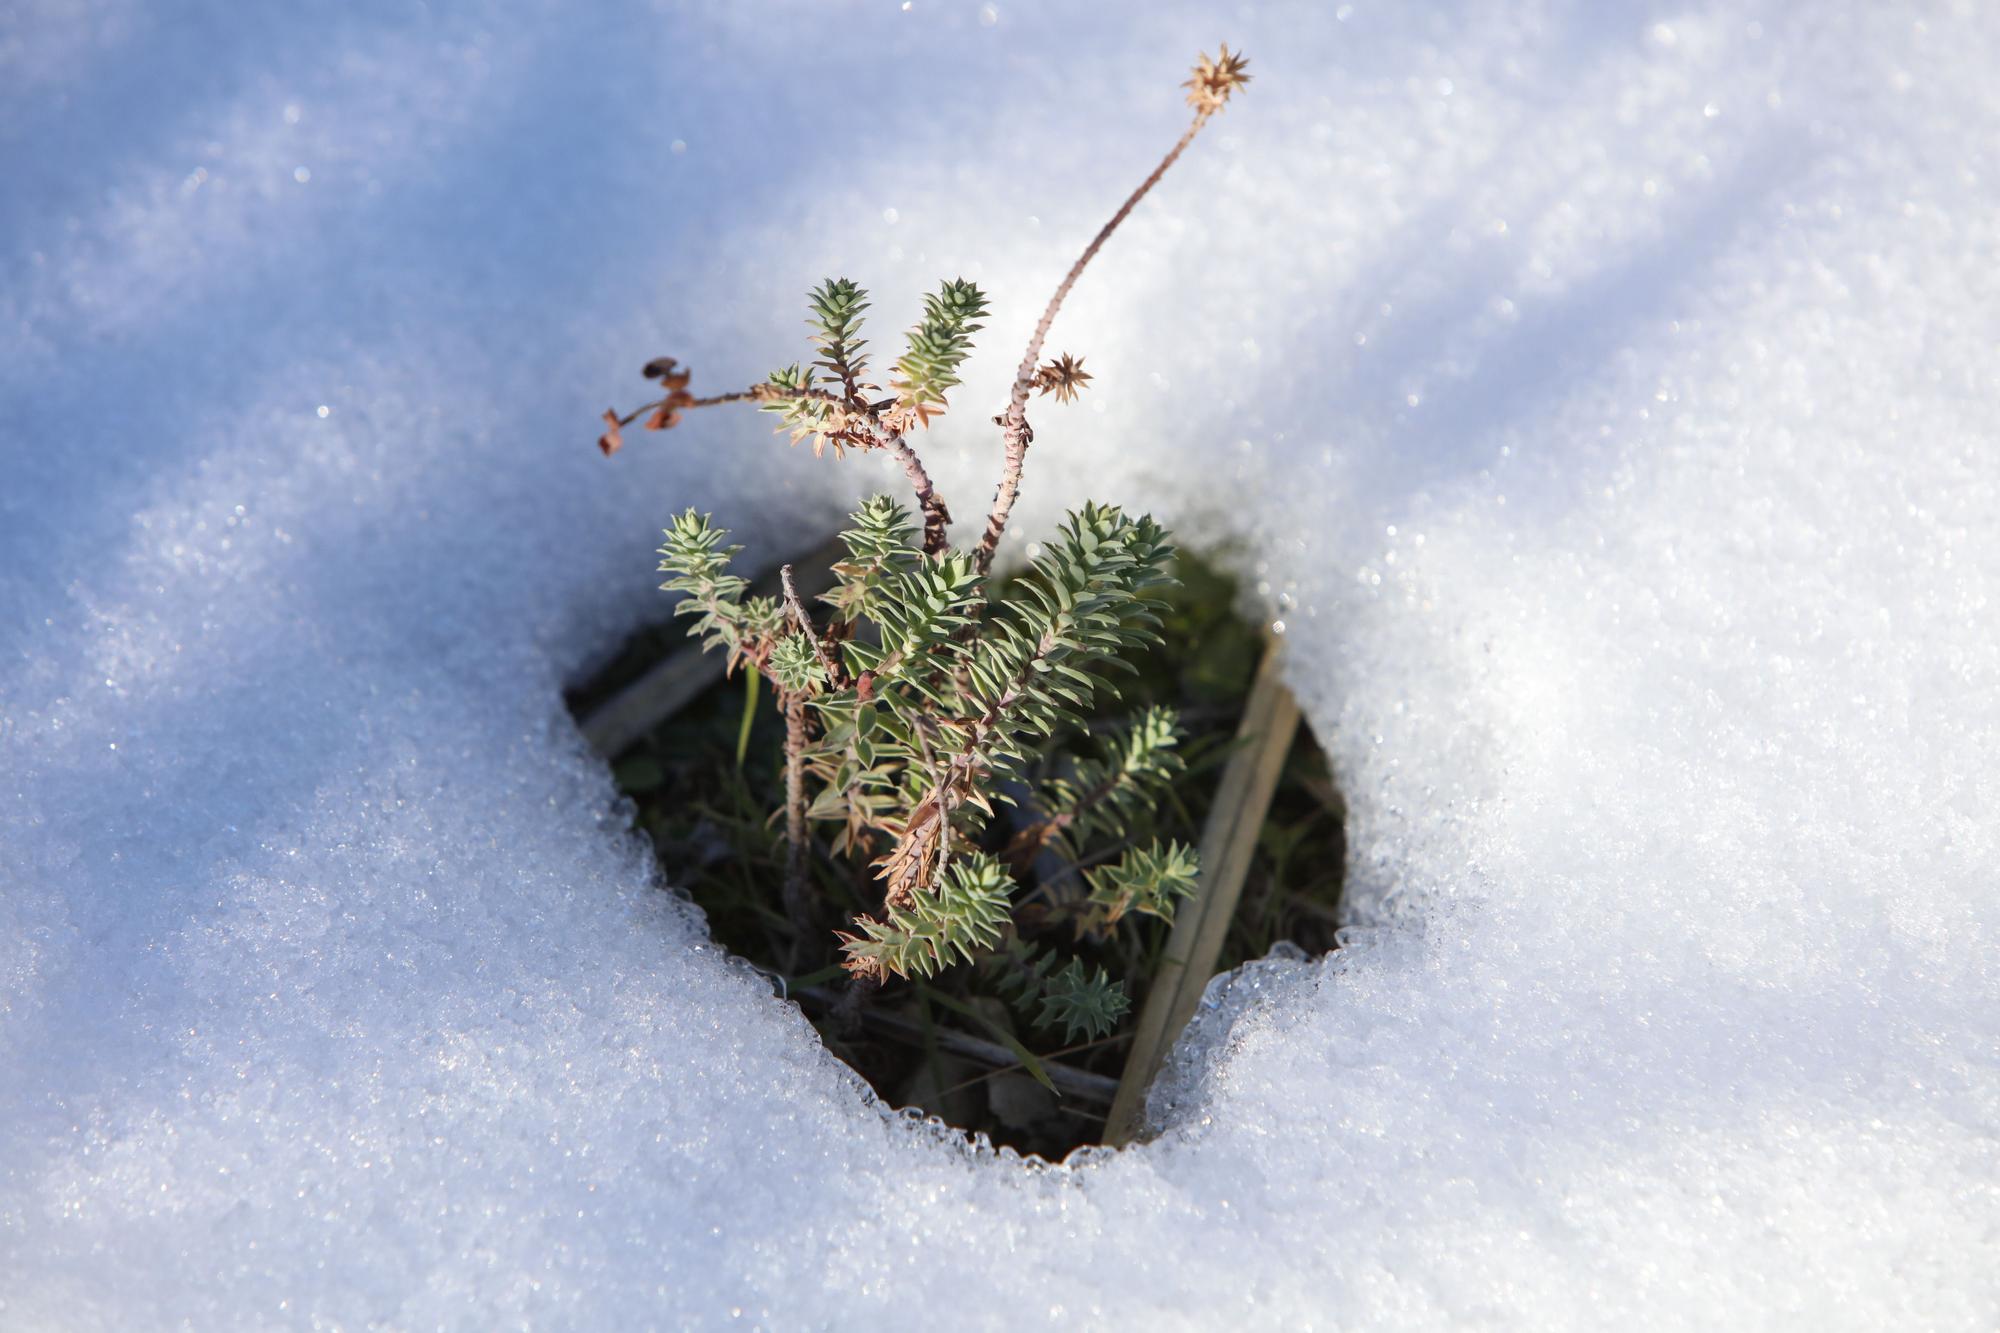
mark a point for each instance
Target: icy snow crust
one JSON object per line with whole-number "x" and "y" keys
{"x": 1604, "y": 393}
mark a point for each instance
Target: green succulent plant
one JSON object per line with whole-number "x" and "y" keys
{"x": 921, "y": 691}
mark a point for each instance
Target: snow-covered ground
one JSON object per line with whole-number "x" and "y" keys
{"x": 1607, "y": 394}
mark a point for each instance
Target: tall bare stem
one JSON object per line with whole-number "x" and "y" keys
{"x": 1014, "y": 432}
{"x": 798, "y": 902}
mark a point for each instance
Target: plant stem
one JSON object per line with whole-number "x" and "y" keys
{"x": 1048, "y": 1064}
{"x": 937, "y": 518}
{"x": 849, "y": 1010}
{"x": 1014, "y": 431}
{"x": 1028, "y": 843}
{"x": 1044, "y": 890}
{"x": 756, "y": 393}
{"x": 798, "y": 905}
{"x": 743, "y": 397}
{"x": 835, "y": 677}
{"x": 844, "y": 1006}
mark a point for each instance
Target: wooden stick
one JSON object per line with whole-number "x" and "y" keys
{"x": 1270, "y": 720}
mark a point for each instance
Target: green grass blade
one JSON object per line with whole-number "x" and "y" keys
{"x": 751, "y": 677}
{"x": 1000, "y": 1034}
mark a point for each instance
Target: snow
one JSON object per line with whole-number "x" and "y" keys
{"x": 1603, "y": 394}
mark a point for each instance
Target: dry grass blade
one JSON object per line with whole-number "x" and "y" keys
{"x": 1081, "y": 1084}
{"x": 1270, "y": 720}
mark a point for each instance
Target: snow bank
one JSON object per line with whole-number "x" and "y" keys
{"x": 1604, "y": 394}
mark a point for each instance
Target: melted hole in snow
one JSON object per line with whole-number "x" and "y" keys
{"x": 973, "y": 1045}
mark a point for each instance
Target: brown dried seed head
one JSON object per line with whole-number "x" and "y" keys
{"x": 609, "y": 442}
{"x": 1064, "y": 377}
{"x": 662, "y": 368}
{"x": 1214, "y": 80}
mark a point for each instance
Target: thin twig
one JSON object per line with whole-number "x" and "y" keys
{"x": 771, "y": 393}
{"x": 1026, "y": 845}
{"x": 743, "y": 396}
{"x": 977, "y": 1079}
{"x": 756, "y": 393}
{"x": 1014, "y": 431}
{"x": 937, "y": 518}
{"x": 1095, "y": 859}
{"x": 616, "y": 724}
{"x": 798, "y": 902}
{"x": 1070, "y": 1081}
{"x": 847, "y": 1011}
{"x": 835, "y": 676}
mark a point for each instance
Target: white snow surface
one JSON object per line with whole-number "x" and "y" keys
{"x": 1604, "y": 396}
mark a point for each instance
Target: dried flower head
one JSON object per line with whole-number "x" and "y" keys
{"x": 1214, "y": 80}
{"x": 1064, "y": 377}
{"x": 674, "y": 380}
{"x": 610, "y": 441}
{"x": 663, "y": 369}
